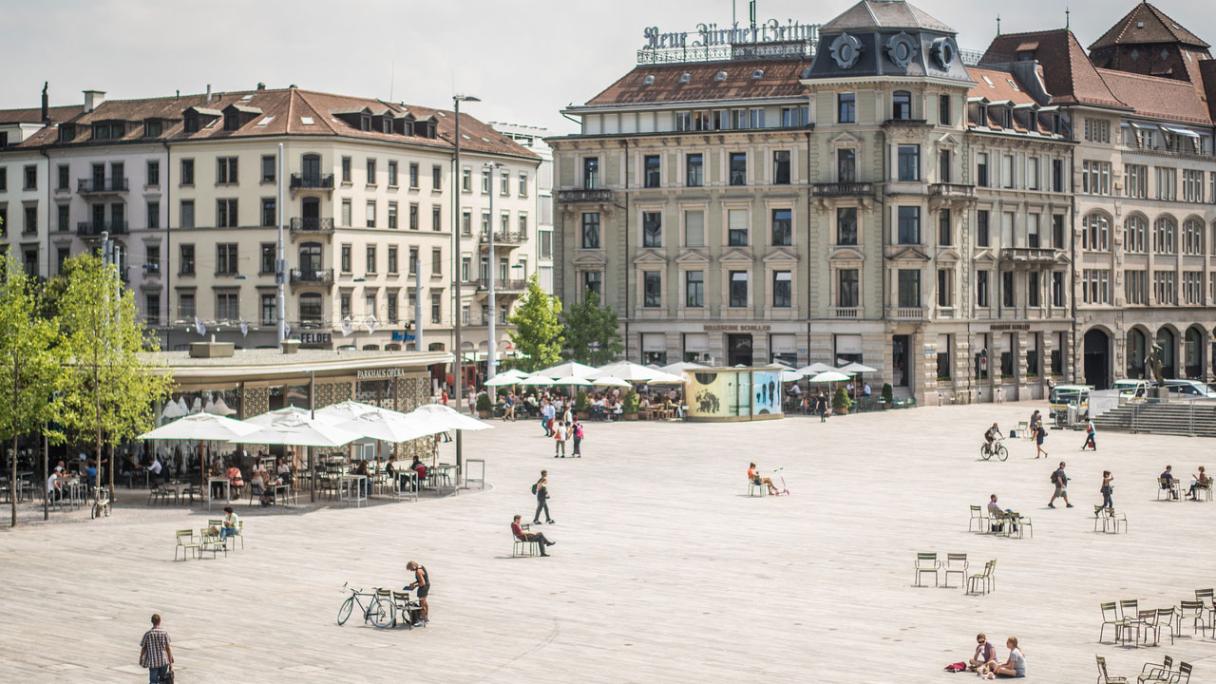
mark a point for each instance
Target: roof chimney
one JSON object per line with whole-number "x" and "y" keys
{"x": 46, "y": 105}
{"x": 93, "y": 99}
{"x": 208, "y": 93}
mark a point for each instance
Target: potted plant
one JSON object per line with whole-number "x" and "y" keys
{"x": 484, "y": 406}
{"x": 630, "y": 405}
{"x": 888, "y": 395}
{"x": 841, "y": 402}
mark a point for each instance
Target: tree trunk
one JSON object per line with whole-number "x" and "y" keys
{"x": 12, "y": 482}
{"x": 113, "y": 455}
{"x": 46, "y": 464}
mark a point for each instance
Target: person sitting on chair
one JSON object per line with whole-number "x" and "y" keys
{"x": 1201, "y": 481}
{"x": 539, "y": 537}
{"x": 1167, "y": 481}
{"x": 419, "y": 467}
{"x": 753, "y": 476}
{"x": 230, "y": 524}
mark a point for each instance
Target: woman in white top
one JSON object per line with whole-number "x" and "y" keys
{"x": 1014, "y": 666}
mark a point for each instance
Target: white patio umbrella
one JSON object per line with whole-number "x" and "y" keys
{"x": 829, "y": 376}
{"x": 566, "y": 370}
{"x": 346, "y": 410}
{"x": 679, "y": 367}
{"x": 386, "y": 428}
{"x": 572, "y": 381}
{"x": 610, "y": 381}
{"x": 537, "y": 381}
{"x": 790, "y": 376}
{"x": 504, "y": 381}
{"x": 857, "y": 368}
{"x": 197, "y": 406}
{"x": 514, "y": 374}
{"x": 296, "y": 430}
{"x": 206, "y": 427}
{"x": 815, "y": 368}
{"x": 440, "y": 418}
{"x": 777, "y": 365}
{"x": 634, "y": 372}
{"x": 269, "y": 417}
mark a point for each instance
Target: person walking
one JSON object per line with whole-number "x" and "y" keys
{"x": 538, "y": 537}
{"x": 422, "y": 587}
{"x": 576, "y": 431}
{"x": 541, "y": 490}
{"x": 546, "y": 417}
{"x": 821, "y": 403}
{"x": 155, "y": 654}
{"x": 1040, "y": 434}
{"x": 1060, "y": 480}
{"x": 1091, "y": 434}
{"x": 559, "y": 439}
{"x": 1107, "y": 489}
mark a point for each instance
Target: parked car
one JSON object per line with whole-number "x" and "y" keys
{"x": 1132, "y": 389}
{"x": 1190, "y": 389}
{"x": 1063, "y": 395}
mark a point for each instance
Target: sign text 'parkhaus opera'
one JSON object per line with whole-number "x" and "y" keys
{"x": 711, "y": 34}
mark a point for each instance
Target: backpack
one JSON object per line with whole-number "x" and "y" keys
{"x": 956, "y": 667}
{"x": 578, "y": 430}
{"x": 1052, "y": 479}
{"x": 533, "y": 487}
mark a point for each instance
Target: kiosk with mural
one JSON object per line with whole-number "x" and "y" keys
{"x": 733, "y": 394}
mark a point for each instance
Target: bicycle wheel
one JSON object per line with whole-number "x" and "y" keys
{"x": 109, "y": 507}
{"x": 344, "y": 612}
{"x": 381, "y": 613}
{"x": 984, "y": 453}
{"x": 1002, "y": 453}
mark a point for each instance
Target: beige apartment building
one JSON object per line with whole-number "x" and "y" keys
{"x": 188, "y": 188}
{"x": 884, "y": 203}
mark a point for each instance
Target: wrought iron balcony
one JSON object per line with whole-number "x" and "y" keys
{"x": 312, "y": 224}
{"x": 312, "y": 276}
{"x": 100, "y": 186}
{"x": 850, "y": 189}
{"x": 302, "y": 181}
{"x": 585, "y": 195}
{"x": 503, "y": 238}
{"x": 92, "y": 229}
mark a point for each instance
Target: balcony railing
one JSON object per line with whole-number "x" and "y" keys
{"x": 850, "y": 189}
{"x": 312, "y": 224}
{"x": 94, "y": 186}
{"x": 952, "y": 190}
{"x": 585, "y": 195}
{"x": 1030, "y": 256}
{"x": 312, "y": 276}
{"x": 96, "y": 228}
{"x": 847, "y": 312}
{"x": 906, "y": 313}
{"x": 504, "y": 237}
{"x": 301, "y": 181}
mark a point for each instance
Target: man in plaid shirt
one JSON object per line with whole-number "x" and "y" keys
{"x": 154, "y": 652}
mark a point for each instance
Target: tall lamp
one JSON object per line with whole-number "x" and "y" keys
{"x": 457, "y": 308}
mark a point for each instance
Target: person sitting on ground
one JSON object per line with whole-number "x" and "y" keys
{"x": 1201, "y": 481}
{"x": 539, "y": 537}
{"x": 1167, "y": 481}
{"x": 1014, "y": 665}
{"x": 991, "y": 434}
{"x": 985, "y": 653}
{"x": 753, "y": 476}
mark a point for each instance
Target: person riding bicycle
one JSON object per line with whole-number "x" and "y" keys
{"x": 991, "y": 434}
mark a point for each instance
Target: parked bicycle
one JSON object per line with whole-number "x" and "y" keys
{"x": 376, "y": 611}
{"x": 998, "y": 449}
{"x": 101, "y": 504}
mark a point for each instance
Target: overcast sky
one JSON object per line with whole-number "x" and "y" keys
{"x": 525, "y": 59}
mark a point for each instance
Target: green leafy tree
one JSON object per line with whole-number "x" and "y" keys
{"x": 110, "y": 386}
{"x": 30, "y": 364}
{"x": 592, "y": 332}
{"x": 538, "y": 328}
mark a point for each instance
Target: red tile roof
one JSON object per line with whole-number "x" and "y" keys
{"x": 1067, "y": 72}
{"x": 1147, "y": 25}
{"x": 34, "y": 115}
{"x": 997, "y": 85}
{"x": 780, "y": 79}
{"x": 1159, "y": 98}
{"x": 283, "y": 111}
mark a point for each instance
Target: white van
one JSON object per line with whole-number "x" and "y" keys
{"x": 1132, "y": 390}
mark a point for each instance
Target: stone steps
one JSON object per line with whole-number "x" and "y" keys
{"x": 1167, "y": 419}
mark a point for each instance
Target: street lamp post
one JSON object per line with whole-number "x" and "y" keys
{"x": 457, "y": 308}
{"x": 492, "y": 360}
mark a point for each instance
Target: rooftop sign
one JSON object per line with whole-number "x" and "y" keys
{"x": 712, "y": 42}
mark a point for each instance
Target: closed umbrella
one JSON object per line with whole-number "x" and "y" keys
{"x": 829, "y": 376}
{"x": 220, "y": 408}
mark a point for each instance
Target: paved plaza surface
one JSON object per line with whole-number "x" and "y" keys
{"x": 664, "y": 570}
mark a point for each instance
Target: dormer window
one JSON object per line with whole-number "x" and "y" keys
{"x": 232, "y": 121}
{"x": 67, "y": 133}
{"x": 196, "y": 118}
{"x": 757, "y": 74}
{"x": 685, "y": 78}
{"x": 648, "y": 79}
{"x": 720, "y": 76}
{"x": 190, "y": 121}
{"x": 365, "y": 122}
{"x": 109, "y": 130}
{"x": 153, "y": 128}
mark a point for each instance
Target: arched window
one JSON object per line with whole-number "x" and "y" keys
{"x": 1135, "y": 234}
{"x": 1095, "y": 235}
{"x": 310, "y": 309}
{"x": 1192, "y": 237}
{"x": 1165, "y": 235}
{"x": 901, "y": 105}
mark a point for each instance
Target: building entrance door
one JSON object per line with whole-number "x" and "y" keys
{"x": 899, "y": 360}
{"x": 739, "y": 350}
{"x": 1097, "y": 359}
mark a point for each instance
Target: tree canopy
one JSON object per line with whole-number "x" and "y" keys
{"x": 592, "y": 332}
{"x": 538, "y": 329}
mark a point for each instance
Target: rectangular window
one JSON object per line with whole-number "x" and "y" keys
{"x": 738, "y": 289}
{"x": 226, "y": 259}
{"x": 185, "y": 260}
{"x": 694, "y": 289}
{"x": 185, "y": 306}
{"x": 591, "y": 175}
{"x": 413, "y": 263}
{"x": 187, "y": 172}
{"x": 346, "y": 173}
{"x": 650, "y": 171}
{"x": 1167, "y": 183}
{"x": 737, "y": 225}
{"x": 652, "y": 229}
{"x": 909, "y": 162}
{"x": 694, "y": 170}
{"x": 1057, "y": 175}
{"x": 1192, "y": 288}
{"x": 436, "y": 218}
{"x": 436, "y": 178}
{"x": 226, "y": 171}
{"x": 269, "y": 214}
{"x": 4, "y": 178}
{"x": 269, "y": 308}
{"x": 1032, "y": 230}
{"x": 1057, "y": 289}
{"x": 783, "y": 228}
{"x": 1135, "y": 181}
{"x": 1135, "y": 287}
{"x": 945, "y": 343}
{"x": 652, "y": 289}
{"x": 1192, "y": 186}
{"x": 523, "y": 185}
{"x": 153, "y": 169}
{"x": 1164, "y": 288}
{"x": 346, "y": 258}
{"x": 1033, "y": 293}
{"x": 591, "y": 230}
{"x": 413, "y": 216}
{"x": 593, "y": 284}
{"x": 369, "y": 304}
{"x": 981, "y": 289}
{"x": 436, "y": 307}
{"x": 392, "y": 302}
{"x": 437, "y": 262}
{"x": 783, "y": 289}
{"x": 393, "y": 262}
{"x": 371, "y": 213}
{"x": 1007, "y": 289}
{"x": 846, "y": 108}
{"x": 31, "y": 177}
{"x": 1095, "y": 177}
{"x": 943, "y": 110}
{"x": 1057, "y": 231}
{"x": 945, "y": 169}
{"x": 944, "y": 236}
{"x": 909, "y": 225}
{"x": 694, "y": 228}
{"x": 848, "y": 292}
{"x": 781, "y": 167}
{"x": 413, "y": 175}
{"x": 370, "y": 265}
{"x": 981, "y": 169}
{"x": 64, "y": 218}
{"x": 266, "y": 257}
{"x": 1095, "y": 286}
{"x": 371, "y": 171}
{"x": 1032, "y": 173}
{"x": 1097, "y": 131}
{"x": 268, "y": 168}
{"x": 1007, "y": 171}
{"x": 225, "y": 213}
{"x": 63, "y": 173}
{"x": 846, "y": 165}
{"x": 392, "y": 215}
{"x": 846, "y": 226}
{"x": 909, "y": 287}
{"x": 738, "y": 168}
{"x": 944, "y": 289}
